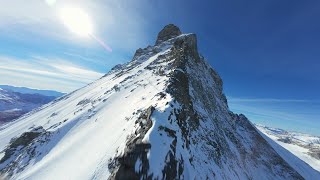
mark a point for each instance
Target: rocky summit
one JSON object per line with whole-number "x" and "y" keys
{"x": 162, "y": 115}
{"x": 168, "y": 32}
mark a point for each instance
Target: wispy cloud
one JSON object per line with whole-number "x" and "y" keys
{"x": 43, "y": 71}
{"x": 292, "y": 114}
{"x": 41, "y": 49}
{"x": 267, "y": 100}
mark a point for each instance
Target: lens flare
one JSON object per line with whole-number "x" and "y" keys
{"x": 76, "y": 20}
{"x": 79, "y": 22}
{"x": 51, "y": 2}
{"x": 104, "y": 45}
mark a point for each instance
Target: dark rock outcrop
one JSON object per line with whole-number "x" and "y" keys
{"x": 123, "y": 167}
{"x": 168, "y": 32}
{"x": 22, "y": 148}
{"x": 205, "y": 125}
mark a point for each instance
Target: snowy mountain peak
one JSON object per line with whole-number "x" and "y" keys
{"x": 162, "y": 115}
{"x": 168, "y": 32}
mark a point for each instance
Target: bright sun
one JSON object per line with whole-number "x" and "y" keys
{"x": 76, "y": 20}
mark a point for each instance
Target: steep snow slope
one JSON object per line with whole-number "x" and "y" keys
{"x": 304, "y": 146}
{"x": 85, "y": 127}
{"x": 162, "y": 115}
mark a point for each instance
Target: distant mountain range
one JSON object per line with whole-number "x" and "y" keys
{"x": 16, "y": 101}
{"x": 304, "y": 146}
{"x": 25, "y": 90}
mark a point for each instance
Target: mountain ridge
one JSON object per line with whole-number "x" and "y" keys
{"x": 161, "y": 115}
{"x": 15, "y": 104}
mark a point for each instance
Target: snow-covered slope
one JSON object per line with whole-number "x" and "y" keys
{"x": 163, "y": 115}
{"x": 304, "y": 146}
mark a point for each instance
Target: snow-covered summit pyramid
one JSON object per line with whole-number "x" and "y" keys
{"x": 162, "y": 115}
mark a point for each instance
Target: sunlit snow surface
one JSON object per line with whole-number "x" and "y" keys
{"x": 89, "y": 124}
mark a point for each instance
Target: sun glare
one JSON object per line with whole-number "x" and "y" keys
{"x": 76, "y": 20}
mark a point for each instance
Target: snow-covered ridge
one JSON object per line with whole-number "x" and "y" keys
{"x": 99, "y": 115}
{"x": 161, "y": 115}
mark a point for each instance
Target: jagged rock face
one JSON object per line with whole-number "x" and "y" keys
{"x": 213, "y": 140}
{"x": 22, "y": 149}
{"x": 162, "y": 115}
{"x": 123, "y": 167}
{"x": 168, "y": 32}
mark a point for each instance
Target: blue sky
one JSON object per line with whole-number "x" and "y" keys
{"x": 267, "y": 51}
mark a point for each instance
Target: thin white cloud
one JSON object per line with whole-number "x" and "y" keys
{"x": 39, "y": 69}
{"x": 266, "y": 100}
{"x": 116, "y": 22}
{"x": 291, "y": 114}
{"x": 264, "y": 113}
{"x": 77, "y": 71}
{"x": 33, "y": 81}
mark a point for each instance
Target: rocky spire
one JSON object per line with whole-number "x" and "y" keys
{"x": 168, "y": 32}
